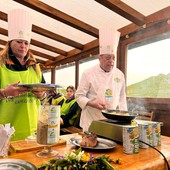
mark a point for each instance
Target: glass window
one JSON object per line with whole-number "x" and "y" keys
{"x": 47, "y": 77}
{"x": 148, "y": 68}
{"x": 85, "y": 64}
{"x": 66, "y": 75}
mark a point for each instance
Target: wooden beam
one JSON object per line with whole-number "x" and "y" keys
{"x": 56, "y": 37}
{"x": 49, "y": 34}
{"x": 38, "y": 44}
{"x": 40, "y": 61}
{"x": 43, "y": 55}
{"x": 156, "y": 29}
{"x": 124, "y": 10}
{"x": 48, "y": 47}
{"x": 156, "y": 17}
{"x": 3, "y": 31}
{"x": 3, "y": 42}
{"x": 3, "y": 16}
{"x": 79, "y": 57}
{"x": 87, "y": 47}
{"x": 60, "y": 16}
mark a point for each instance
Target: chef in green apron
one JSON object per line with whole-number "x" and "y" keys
{"x": 19, "y": 105}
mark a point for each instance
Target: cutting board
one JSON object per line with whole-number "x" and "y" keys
{"x": 29, "y": 145}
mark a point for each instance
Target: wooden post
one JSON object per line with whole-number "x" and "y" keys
{"x": 76, "y": 73}
{"x": 53, "y": 75}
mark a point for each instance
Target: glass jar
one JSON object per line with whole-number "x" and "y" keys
{"x": 48, "y": 130}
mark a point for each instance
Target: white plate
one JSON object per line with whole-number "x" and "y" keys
{"x": 40, "y": 86}
{"x": 102, "y": 144}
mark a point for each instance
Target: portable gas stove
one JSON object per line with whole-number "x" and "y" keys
{"x": 112, "y": 129}
{"x": 108, "y": 128}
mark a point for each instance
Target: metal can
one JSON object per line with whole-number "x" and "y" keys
{"x": 145, "y": 134}
{"x": 131, "y": 139}
{"x": 156, "y": 131}
{"x": 53, "y": 131}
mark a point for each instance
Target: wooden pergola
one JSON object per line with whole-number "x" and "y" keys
{"x": 139, "y": 27}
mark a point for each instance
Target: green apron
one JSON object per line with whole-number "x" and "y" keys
{"x": 22, "y": 111}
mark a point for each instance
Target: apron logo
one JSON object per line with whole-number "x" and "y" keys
{"x": 108, "y": 93}
{"x": 117, "y": 80}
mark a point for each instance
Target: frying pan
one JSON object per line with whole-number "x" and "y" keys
{"x": 119, "y": 115}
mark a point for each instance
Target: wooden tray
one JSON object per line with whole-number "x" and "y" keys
{"x": 29, "y": 145}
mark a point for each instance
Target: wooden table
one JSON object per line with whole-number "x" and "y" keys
{"x": 146, "y": 159}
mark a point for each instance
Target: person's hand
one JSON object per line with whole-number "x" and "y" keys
{"x": 12, "y": 90}
{"x": 40, "y": 94}
{"x": 96, "y": 104}
{"x": 61, "y": 121}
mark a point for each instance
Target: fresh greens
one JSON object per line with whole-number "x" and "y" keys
{"x": 79, "y": 160}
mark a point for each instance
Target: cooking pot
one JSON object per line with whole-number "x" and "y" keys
{"x": 119, "y": 115}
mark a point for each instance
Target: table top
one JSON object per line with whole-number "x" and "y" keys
{"x": 146, "y": 159}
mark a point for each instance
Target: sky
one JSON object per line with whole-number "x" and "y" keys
{"x": 148, "y": 60}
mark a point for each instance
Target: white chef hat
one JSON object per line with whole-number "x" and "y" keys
{"x": 108, "y": 40}
{"x": 19, "y": 25}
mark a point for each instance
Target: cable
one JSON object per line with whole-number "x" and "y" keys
{"x": 166, "y": 161}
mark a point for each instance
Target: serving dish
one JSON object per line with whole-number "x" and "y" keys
{"x": 119, "y": 115}
{"x": 103, "y": 144}
{"x": 40, "y": 86}
{"x": 16, "y": 164}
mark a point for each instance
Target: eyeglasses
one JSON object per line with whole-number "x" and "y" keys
{"x": 108, "y": 56}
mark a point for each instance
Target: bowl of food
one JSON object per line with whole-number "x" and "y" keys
{"x": 119, "y": 115}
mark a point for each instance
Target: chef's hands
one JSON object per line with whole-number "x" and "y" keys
{"x": 12, "y": 90}
{"x": 96, "y": 104}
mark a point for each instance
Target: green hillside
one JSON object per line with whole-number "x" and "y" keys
{"x": 154, "y": 87}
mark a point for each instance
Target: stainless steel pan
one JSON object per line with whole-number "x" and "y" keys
{"x": 118, "y": 115}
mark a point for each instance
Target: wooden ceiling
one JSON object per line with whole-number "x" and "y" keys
{"x": 136, "y": 22}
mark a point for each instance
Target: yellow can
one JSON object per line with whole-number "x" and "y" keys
{"x": 131, "y": 139}
{"x": 145, "y": 134}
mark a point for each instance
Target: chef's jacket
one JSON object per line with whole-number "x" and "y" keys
{"x": 107, "y": 87}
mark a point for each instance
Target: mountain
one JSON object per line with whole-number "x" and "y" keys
{"x": 152, "y": 87}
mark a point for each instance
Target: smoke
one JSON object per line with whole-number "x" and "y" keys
{"x": 135, "y": 106}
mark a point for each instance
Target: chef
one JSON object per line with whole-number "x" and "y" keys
{"x": 103, "y": 85}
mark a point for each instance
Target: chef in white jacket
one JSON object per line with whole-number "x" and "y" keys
{"x": 103, "y": 85}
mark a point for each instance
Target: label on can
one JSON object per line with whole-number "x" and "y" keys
{"x": 53, "y": 124}
{"x": 156, "y": 131}
{"x": 53, "y": 111}
{"x": 130, "y": 139}
{"x": 53, "y": 128}
{"x": 145, "y": 134}
{"x": 48, "y": 129}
